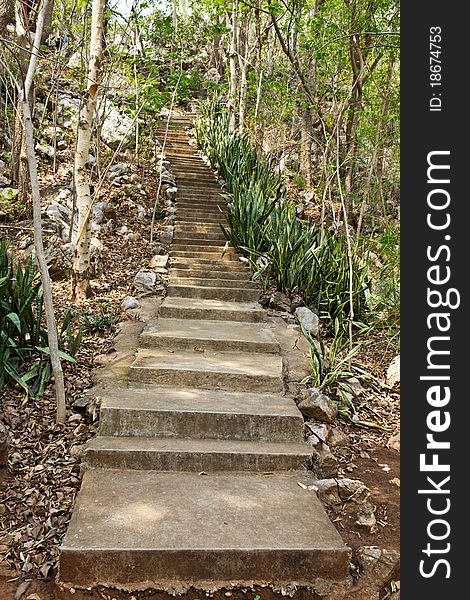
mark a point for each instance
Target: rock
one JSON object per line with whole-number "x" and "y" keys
{"x": 171, "y": 192}
{"x": 65, "y": 197}
{"x": 141, "y": 212}
{"x": 393, "y": 372}
{"x": 59, "y": 213}
{"x": 159, "y": 261}
{"x": 324, "y": 463}
{"x": 338, "y": 493}
{"x": 320, "y": 430}
{"x": 2, "y": 167}
{"x": 145, "y": 281}
{"x": 279, "y": 301}
{"x": 337, "y": 438}
{"x": 377, "y": 567}
{"x": 59, "y": 257}
{"x": 366, "y": 518}
{"x": 130, "y": 303}
{"x": 67, "y": 112}
{"x": 102, "y": 211}
{"x": 119, "y": 169}
{"x": 355, "y": 386}
{"x": 328, "y": 434}
{"x": 166, "y": 237}
{"x": 76, "y": 60}
{"x": 315, "y": 405}
{"x": 117, "y": 129}
{"x": 91, "y": 160}
{"x": 308, "y": 320}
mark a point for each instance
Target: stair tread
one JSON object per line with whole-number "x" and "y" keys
{"x": 196, "y": 445}
{"x": 236, "y": 363}
{"x": 161, "y": 398}
{"x": 201, "y": 329}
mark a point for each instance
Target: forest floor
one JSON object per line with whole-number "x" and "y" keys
{"x": 38, "y": 492}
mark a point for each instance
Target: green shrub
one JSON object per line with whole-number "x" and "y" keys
{"x": 297, "y": 256}
{"x": 24, "y": 352}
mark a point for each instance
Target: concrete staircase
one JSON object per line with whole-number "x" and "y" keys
{"x": 194, "y": 476}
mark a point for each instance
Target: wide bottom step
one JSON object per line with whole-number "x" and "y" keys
{"x": 138, "y": 528}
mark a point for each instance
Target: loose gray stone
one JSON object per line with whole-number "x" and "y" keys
{"x": 279, "y": 301}
{"x": 129, "y": 303}
{"x": 159, "y": 261}
{"x": 355, "y": 385}
{"x": 308, "y": 320}
{"x": 366, "y": 518}
{"x": 166, "y": 237}
{"x": 45, "y": 150}
{"x": 377, "y": 566}
{"x": 116, "y": 127}
{"x": 315, "y": 405}
{"x": 101, "y": 211}
{"x": 145, "y": 280}
{"x": 141, "y": 212}
{"x": 337, "y": 438}
{"x": 335, "y": 493}
{"x": 324, "y": 463}
{"x": 171, "y": 192}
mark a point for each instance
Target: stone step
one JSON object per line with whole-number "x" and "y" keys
{"x": 196, "y": 246}
{"x": 232, "y": 294}
{"x": 209, "y": 336}
{"x": 202, "y": 220}
{"x": 134, "y": 528}
{"x": 234, "y": 371}
{"x": 202, "y": 204}
{"x": 204, "y": 274}
{"x": 194, "y": 413}
{"x": 196, "y": 455}
{"x": 185, "y": 279}
{"x": 214, "y": 256}
{"x": 201, "y": 236}
{"x": 201, "y": 213}
{"x": 210, "y": 228}
{"x": 183, "y": 262}
{"x": 199, "y": 240}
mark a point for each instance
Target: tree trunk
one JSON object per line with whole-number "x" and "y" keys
{"x": 233, "y": 84}
{"x": 242, "y": 59}
{"x": 38, "y": 241}
{"x": 81, "y": 264}
{"x": 306, "y": 145}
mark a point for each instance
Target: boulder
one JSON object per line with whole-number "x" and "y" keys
{"x": 116, "y": 128}
{"x": 315, "y": 405}
{"x": 308, "y": 320}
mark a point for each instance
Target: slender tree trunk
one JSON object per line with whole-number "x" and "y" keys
{"x": 243, "y": 57}
{"x": 81, "y": 265}
{"x": 233, "y": 84}
{"x": 38, "y": 241}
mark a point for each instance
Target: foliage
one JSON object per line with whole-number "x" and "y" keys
{"x": 297, "y": 256}
{"x": 97, "y": 322}
{"x": 24, "y": 348}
